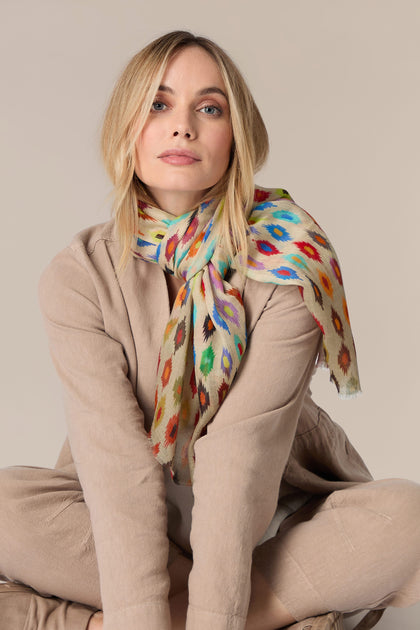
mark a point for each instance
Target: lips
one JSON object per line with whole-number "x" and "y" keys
{"x": 181, "y": 153}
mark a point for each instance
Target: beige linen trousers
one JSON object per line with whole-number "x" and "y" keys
{"x": 100, "y": 529}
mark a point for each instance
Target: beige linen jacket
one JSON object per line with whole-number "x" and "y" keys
{"x": 268, "y": 439}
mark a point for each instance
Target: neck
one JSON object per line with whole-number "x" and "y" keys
{"x": 177, "y": 203}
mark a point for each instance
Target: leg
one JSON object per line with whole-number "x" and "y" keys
{"x": 358, "y": 548}
{"x": 46, "y": 542}
{"x": 22, "y": 608}
{"x": 179, "y": 571}
{"x": 264, "y": 611}
{"x": 46, "y": 538}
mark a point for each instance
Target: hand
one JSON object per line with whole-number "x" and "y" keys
{"x": 96, "y": 622}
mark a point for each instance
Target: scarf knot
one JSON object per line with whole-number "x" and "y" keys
{"x": 183, "y": 246}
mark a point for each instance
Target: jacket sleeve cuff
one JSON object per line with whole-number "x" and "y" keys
{"x": 212, "y": 620}
{"x": 150, "y": 615}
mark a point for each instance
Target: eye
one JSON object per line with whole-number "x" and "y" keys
{"x": 158, "y": 106}
{"x": 212, "y": 110}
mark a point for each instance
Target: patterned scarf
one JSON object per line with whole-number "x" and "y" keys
{"x": 205, "y": 337}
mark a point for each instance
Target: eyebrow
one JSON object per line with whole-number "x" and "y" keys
{"x": 203, "y": 92}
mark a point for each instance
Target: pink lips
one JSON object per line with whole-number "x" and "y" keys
{"x": 179, "y": 157}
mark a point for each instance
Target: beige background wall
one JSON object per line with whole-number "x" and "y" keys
{"x": 338, "y": 85}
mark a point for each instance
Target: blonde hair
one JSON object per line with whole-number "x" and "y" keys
{"x": 126, "y": 116}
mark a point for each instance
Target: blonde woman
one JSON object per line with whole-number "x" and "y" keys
{"x": 200, "y": 486}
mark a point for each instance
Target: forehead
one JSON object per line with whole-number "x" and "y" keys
{"x": 194, "y": 68}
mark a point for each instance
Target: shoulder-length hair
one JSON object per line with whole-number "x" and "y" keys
{"x": 126, "y": 115}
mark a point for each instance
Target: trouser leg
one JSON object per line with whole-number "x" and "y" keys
{"x": 45, "y": 534}
{"x": 46, "y": 542}
{"x": 22, "y": 608}
{"x": 357, "y": 549}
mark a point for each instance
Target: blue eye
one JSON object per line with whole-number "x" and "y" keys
{"x": 212, "y": 110}
{"x": 158, "y": 106}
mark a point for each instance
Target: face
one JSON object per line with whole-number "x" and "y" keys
{"x": 184, "y": 147}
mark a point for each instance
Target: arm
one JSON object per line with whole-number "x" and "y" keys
{"x": 122, "y": 482}
{"x": 240, "y": 461}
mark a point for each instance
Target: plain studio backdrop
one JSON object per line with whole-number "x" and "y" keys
{"x": 337, "y": 83}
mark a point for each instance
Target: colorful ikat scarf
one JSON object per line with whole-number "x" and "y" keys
{"x": 205, "y": 337}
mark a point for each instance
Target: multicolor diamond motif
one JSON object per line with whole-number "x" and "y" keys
{"x": 205, "y": 338}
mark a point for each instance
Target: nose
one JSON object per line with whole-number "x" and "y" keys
{"x": 186, "y": 134}
{"x": 183, "y": 124}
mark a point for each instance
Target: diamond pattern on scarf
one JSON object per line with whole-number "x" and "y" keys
{"x": 205, "y": 338}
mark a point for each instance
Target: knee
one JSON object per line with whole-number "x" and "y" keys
{"x": 389, "y": 509}
{"x": 19, "y": 491}
{"x": 10, "y": 517}
{"x": 9, "y": 481}
{"x": 399, "y": 500}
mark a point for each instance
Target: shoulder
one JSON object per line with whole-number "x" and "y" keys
{"x": 277, "y": 204}
{"x": 278, "y": 308}
{"x": 87, "y": 240}
{"x": 279, "y": 226}
{"x": 90, "y": 259}
{"x": 287, "y": 246}
{"x": 95, "y": 241}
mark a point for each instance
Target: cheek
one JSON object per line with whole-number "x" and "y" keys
{"x": 148, "y": 139}
{"x": 142, "y": 143}
{"x": 144, "y": 150}
{"x": 222, "y": 142}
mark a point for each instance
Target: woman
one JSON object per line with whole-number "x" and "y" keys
{"x": 234, "y": 293}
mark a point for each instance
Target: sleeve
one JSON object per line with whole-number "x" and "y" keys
{"x": 122, "y": 482}
{"x": 240, "y": 461}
